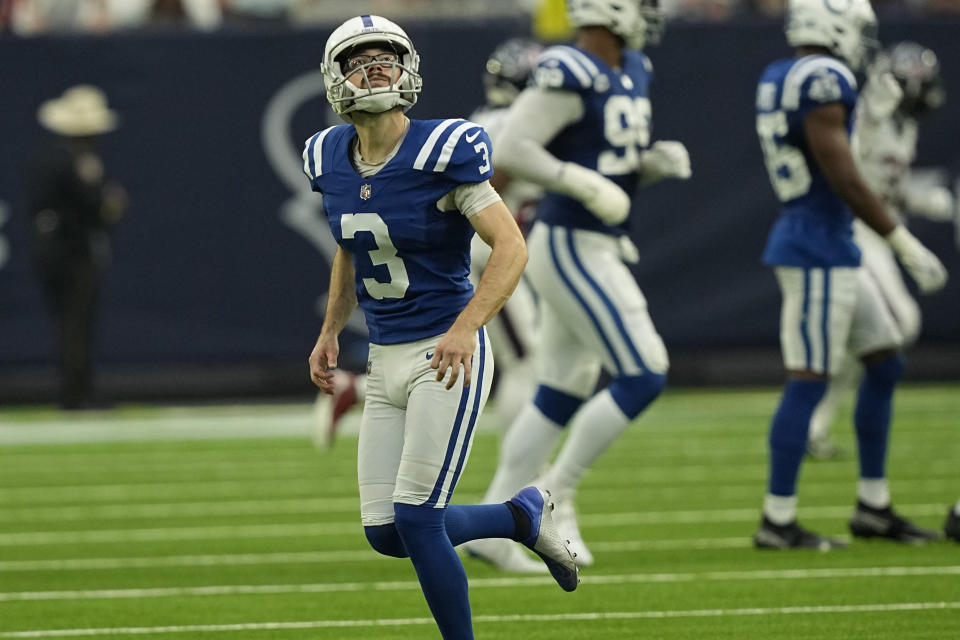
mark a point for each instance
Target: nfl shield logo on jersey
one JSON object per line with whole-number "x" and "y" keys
{"x": 365, "y": 191}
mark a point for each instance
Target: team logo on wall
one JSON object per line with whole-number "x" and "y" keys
{"x": 365, "y": 191}
{"x": 303, "y": 209}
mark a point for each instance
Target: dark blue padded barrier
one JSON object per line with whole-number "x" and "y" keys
{"x": 223, "y": 257}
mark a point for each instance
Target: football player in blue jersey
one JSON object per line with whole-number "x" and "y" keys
{"x": 403, "y": 199}
{"x": 830, "y": 305}
{"x": 903, "y": 85}
{"x": 582, "y": 131}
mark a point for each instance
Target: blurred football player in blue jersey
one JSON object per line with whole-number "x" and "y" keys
{"x": 582, "y": 131}
{"x": 513, "y": 330}
{"x": 903, "y": 84}
{"x": 404, "y": 198}
{"x": 805, "y": 107}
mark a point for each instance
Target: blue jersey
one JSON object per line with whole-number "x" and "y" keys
{"x": 615, "y": 127}
{"x": 411, "y": 260}
{"x": 815, "y": 227}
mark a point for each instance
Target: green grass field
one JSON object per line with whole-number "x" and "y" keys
{"x": 186, "y": 534}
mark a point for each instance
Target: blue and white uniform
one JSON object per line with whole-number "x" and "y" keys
{"x": 612, "y": 131}
{"x": 593, "y": 313}
{"x": 829, "y": 304}
{"x": 410, "y": 253}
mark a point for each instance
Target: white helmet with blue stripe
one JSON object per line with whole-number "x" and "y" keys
{"x": 847, "y": 28}
{"x": 637, "y": 22}
{"x": 357, "y": 34}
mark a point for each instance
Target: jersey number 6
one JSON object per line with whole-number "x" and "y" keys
{"x": 384, "y": 254}
{"x": 788, "y": 170}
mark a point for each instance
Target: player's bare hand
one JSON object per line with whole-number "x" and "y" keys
{"x": 455, "y": 350}
{"x": 322, "y": 361}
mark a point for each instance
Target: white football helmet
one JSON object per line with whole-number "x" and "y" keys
{"x": 848, "y": 28}
{"x": 638, "y": 22}
{"x": 358, "y": 33}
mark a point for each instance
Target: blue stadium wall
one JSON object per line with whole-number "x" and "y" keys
{"x": 221, "y": 265}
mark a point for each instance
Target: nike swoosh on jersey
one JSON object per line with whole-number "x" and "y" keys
{"x": 470, "y": 138}
{"x": 429, "y": 355}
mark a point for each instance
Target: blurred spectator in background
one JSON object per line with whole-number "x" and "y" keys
{"x": 903, "y": 84}
{"x": 71, "y": 205}
{"x": 35, "y": 17}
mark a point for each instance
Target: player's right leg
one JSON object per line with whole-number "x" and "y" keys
{"x": 815, "y": 319}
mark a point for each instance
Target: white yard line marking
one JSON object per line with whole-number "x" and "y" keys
{"x": 569, "y": 617}
{"x": 159, "y": 511}
{"x": 531, "y": 581}
{"x": 206, "y": 560}
{"x": 599, "y": 520}
{"x": 36, "y": 538}
{"x": 134, "y": 511}
{"x": 321, "y": 557}
{"x": 302, "y": 483}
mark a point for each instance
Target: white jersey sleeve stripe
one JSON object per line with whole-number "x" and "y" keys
{"x": 802, "y": 70}
{"x": 431, "y": 142}
{"x": 307, "y": 154}
{"x": 447, "y": 152}
{"x": 584, "y": 61}
{"x": 313, "y": 154}
{"x": 564, "y": 55}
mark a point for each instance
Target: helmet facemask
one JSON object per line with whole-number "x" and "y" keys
{"x": 360, "y": 34}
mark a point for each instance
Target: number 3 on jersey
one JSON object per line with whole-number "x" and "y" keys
{"x": 384, "y": 254}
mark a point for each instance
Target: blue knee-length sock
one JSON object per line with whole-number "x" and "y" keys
{"x": 439, "y": 570}
{"x": 871, "y": 417}
{"x": 462, "y": 523}
{"x": 788, "y": 433}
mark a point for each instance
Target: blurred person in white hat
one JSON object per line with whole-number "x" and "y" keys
{"x": 71, "y": 206}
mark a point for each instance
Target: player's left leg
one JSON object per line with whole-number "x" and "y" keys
{"x": 616, "y": 323}
{"x": 876, "y": 338}
{"x": 879, "y": 263}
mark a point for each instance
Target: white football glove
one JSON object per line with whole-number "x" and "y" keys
{"x": 665, "y": 159}
{"x": 924, "y": 267}
{"x": 629, "y": 252}
{"x": 933, "y": 203}
{"x": 600, "y": 195}
{"x": 882, "y": 95}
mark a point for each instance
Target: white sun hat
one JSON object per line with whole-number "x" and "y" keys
{"x": 81, "y": 111}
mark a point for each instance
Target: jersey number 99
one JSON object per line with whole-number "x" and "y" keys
{"x": 626, "y": 126}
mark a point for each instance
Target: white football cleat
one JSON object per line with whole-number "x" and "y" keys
{"x": 566, "y": 518}
{"x": 544, "y": 539}
{"x": 504, "y": 555}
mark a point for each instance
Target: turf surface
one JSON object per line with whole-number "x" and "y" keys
{"x": 173, "y": 524}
